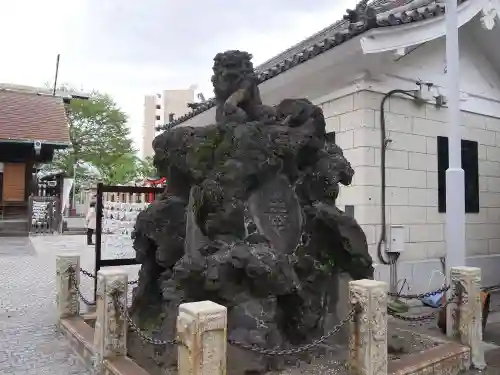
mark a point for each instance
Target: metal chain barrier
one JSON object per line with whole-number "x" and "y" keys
{"x": 87, "y": 273}
{"x": 124, "y": 313}
{"x": 92, "y": 276}
{"x": 419, "y": 296}
{"x": 270, "y": 352}
{"x": 421, "y": 318}
{"x": 491, "y": 288}
{"x": 71, "y": 271}
{"x": 300, "y": 349}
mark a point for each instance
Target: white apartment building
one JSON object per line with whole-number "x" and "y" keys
{"x": 160, "y": 109}
{"x": 348, "y": 68}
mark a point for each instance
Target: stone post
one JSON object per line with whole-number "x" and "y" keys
{"x": 110, "y": 336}
{"x": 466, "y": 315}
{"x": 368, "y": 328}
{"x": 202, "y": 332}
{"x": 68, "y": 303}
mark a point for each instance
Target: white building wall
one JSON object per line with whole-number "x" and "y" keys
{"x": 157, "y": 109}
{"x": 411, "y": 179}
{"x": 411, "y": 159}
{"x": 175, "y": 101}
{"x": 348, "y": 116}
{"x": 148, "y": 125}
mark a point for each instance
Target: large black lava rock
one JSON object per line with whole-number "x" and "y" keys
{"x": 248, "y": 221}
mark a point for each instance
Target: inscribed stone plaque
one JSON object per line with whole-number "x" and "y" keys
{"x": 277, "y": 214}
{"x": 194, "y": 237}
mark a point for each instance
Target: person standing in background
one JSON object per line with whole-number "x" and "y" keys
{"x": 91, "y": 222}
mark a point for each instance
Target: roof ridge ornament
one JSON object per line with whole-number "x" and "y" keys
{"x": 490, "y": 13}
{"x": 362, "y": 18}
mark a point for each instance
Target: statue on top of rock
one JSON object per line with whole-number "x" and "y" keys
{"x": 248, "y": 220}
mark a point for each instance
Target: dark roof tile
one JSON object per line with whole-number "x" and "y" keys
{"x": 355, "y": 22}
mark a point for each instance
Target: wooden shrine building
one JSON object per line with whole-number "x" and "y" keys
{"x": 32, "y": 127}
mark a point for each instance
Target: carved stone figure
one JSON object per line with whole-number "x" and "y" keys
{"x": 235, "y": 87}
{"x": 248, "y": 221}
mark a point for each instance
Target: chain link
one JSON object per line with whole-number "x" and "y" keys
{"x": 271, "y": 352}
{"x": 92, "y": 276}
{"x": 421, "y": 318}
{"x": 419, "y": 296}
{"x": 87, "y": 273}
{"x": 124, "y": 313}
{"x": 75, "y": 284}
{"x": 303, "y": 243}
{"x": 300, "y": 349}
{"x": 276, "y": 352}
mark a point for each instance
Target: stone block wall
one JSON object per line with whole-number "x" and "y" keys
{"x": 412, "y": 180}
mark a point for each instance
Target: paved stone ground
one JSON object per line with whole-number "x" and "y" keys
{"x": 29, "y": 341}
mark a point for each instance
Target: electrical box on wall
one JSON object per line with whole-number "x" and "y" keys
{"x": 397, "y": 239}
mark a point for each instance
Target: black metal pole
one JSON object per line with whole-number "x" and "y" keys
{"x": 98, "y": 234}
{"x": 57, "y": 73}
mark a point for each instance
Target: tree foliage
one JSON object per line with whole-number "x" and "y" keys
{"x": 102, "y": 144}
{"x": 147, "y": 168}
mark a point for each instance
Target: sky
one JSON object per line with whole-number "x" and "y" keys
{"x": 131, "y": 48}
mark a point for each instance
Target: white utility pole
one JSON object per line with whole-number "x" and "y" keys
{"x": 455, "y": 187}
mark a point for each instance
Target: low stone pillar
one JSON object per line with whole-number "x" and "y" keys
{"x": 110, "y": 336}
{"x": 465, "y": 321}
{"x": 68, "y": 303}
{"x": 202, "y": 335}
{"x": 368, "y": 328}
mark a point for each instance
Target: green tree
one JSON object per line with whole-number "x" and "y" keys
{"x": 127, "y": 168}
{"x": 102, "y": 148}
{"x": 147, "y": 168}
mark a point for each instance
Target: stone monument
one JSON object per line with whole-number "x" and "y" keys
{"x": 248, "y": 221}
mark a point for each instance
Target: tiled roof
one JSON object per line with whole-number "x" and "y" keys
{"x": 327, "y": 32}
{"x": 385, "y": 13}
{"x": 28, "y": 116}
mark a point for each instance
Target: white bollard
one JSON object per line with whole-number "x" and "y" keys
{"x": 110, "y": 336}
{"x": 68, "y": 303}
{"x": 202, "y": 332}
{"x": 368, "y": 341}
{"x": 465, "y": 321}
